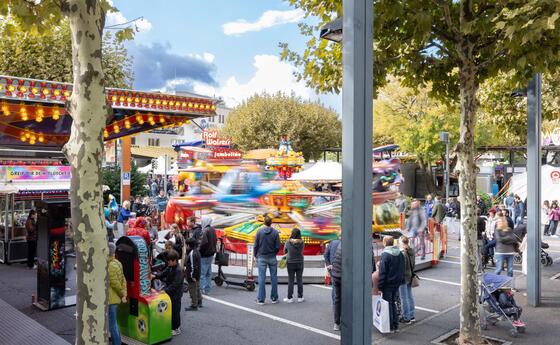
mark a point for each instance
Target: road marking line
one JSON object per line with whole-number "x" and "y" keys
{"x": 426, "y": 309}
{"x": 458, "y": 263}
{"x": 453, "y": 257}
{"x": 275, "y": 318}
{"x": 440, "y": 281}
{"x": 419, "y": 308}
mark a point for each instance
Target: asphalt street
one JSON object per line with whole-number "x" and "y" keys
{"x": 231, "y": 316}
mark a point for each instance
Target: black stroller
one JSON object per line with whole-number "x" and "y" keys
{"x": 498, "y": 303}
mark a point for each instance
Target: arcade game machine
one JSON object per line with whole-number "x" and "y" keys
{"x": 146, "y": 317}
{"x": 56, "y": 277}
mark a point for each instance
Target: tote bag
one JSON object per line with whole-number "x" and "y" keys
{"x": 381, "y": 317}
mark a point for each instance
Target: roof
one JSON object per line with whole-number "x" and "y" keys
{"x": 152, "y": 151}
{"x": 34, "y": 113}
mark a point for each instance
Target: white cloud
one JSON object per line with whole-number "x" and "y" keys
{"x": 268, "y": 19}
{"x": 117, "y": 18}
{"x": 271, "y": 76}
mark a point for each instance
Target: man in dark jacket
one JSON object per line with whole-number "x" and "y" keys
{"x": 391, "y": 276}
{"x": 173, "y": 279}
{"x": 192, "y": 273}
{"x": 267, "y": 245}
{"x": 194, "y": 229}
{"x": 336, "y": 274}
{"x": 208, "y": 242}
{"x": 329, "y": 256}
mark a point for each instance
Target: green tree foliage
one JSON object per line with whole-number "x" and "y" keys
{"x": 260, "y": 121}
{"x": 455, "y": 46}
{"x": 112, "y": 178}
{"x": 508, "y": 115}
{"x": 49, "y": 56}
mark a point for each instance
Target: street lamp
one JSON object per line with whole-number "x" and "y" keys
{"x": 332, "y": 31}
{"x": 356, "y": 33}
{"x": 444, "y": 137}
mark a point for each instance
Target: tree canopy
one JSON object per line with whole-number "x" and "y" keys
{"x": 49, "y": 56}
{"x": 454, "y": 46}
{"x": 260, "y": 121}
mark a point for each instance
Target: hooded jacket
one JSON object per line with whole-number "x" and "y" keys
{"x": 294, "y": 248}
{"x": 267, "y": 242}
{"x": 391, "y": 269}
{"x": 208, "y": 240}
{"x": 409, "y": 264}
{"x": 117, "y": 282}
{"x": 505, "y": 241}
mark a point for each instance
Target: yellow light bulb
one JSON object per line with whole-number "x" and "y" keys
{"x": 164, "y": 102}
{"x": 114, "y": 98}
{"x": 158, "y": 102}
{"x": 184, "y": 104}
{"x": 32, "y": 142}
{"x": 151, "y": 118}
{"x": 171, "y": 103}
{"x": 27, "y": 135}
{"x": 34, "y": 90}
{"x": 187, "y": 122}
{"x": 129, "y": 99}
{"x": 141, "y": 121}
{"x": 40, "y": 112}
{"x": 144, "y": 101}
{"x": 23, "y": 138}
{"x": 56, "y": 92}
{"x": 105, "y": 133}
{"x": 39, "y": 119}
{"x": 190, "y": 105}
{"x": 151, "y": 101}
{"x": 162, "y": 119}
{"x": 136, "y": 100}
{"x": 24, "y": 117}
{"x": 116, "y": 128}
{"x": 213, "y": 107}
{"x": 22, "y": 89}
{"x": 41, "y": 139}
{"x": 56, "y": 114}
{"x": 46, "y": 92}
{"x": 66, "y": 93}
{"x": 121, "y": 99}
{"x": 196, "y": 105}
{"x": 11, "y": 88}
{"x": 127, "y": 124}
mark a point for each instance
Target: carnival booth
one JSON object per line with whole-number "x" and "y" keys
{"x": 22, "y": 185}
{"x": 56, "y": 278}
{"x": 146, "y": 317}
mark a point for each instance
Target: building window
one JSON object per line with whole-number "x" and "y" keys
{"x": 153, "y": 142}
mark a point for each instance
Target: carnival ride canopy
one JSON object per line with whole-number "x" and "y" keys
{"x": 32, "y": 112}
{"x": 325, "y": 172}
{"x": 550, "y": 183}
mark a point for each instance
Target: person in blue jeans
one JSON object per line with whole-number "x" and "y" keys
{"x": 405, "y": 290}
{"x": 267, "y": 245}
{"x": 505, "y": 246}
{"x": 207, "y": 249}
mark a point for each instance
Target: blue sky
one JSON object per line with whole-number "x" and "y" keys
{"x": 227, "y": 48}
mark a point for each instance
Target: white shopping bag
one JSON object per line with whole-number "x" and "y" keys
{"x": 381, "y": 317}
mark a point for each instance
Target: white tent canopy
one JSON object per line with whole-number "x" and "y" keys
{"x": 320, "y": 172}
{"x": 550, "y": 184}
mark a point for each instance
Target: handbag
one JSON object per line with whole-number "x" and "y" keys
{"x": 222, "y": 259}
{"x": 283, "y": 262}
{"x": 415, "y": 281}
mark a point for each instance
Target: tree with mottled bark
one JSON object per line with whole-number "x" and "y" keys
{"x": 455, "y": 45}
{"x": 89, "y": 112}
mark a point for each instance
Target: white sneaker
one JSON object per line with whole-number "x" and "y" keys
{"x": 336, "y": 327}
{"x": 274, "y": 301}
{"x": 176, "y": 331}
{"x": 300, "y": 299}
{"x": 288, "y": 300}
{"x": 259, "y": 302}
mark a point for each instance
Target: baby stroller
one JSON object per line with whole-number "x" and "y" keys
{"x": 546, "y": 260}
{"x": 498, "y": 303}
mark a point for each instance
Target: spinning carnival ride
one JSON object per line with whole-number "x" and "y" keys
{"x": 241, "y": 200}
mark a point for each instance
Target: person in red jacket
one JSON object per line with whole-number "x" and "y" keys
{"x": 138, "y": 228}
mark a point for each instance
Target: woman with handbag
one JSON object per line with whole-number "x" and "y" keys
{"x": 294, "y": 249}
{"x": 405, "y": 290}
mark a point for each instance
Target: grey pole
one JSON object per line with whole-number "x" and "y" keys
{"x": 534, "y": 191}
{"x": 165, "y": 160}
{"x": 357, "y": 122}
{"x": 447, "y": 169}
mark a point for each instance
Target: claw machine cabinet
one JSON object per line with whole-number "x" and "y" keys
{"x": 13, "y": 244}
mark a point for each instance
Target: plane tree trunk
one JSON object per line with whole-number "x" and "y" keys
{"x": 88, "y": 110}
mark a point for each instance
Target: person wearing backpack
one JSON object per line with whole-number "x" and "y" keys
{"x": 405, "y": 290}
{"x": 294, "y": 249}
{"x": 208, "y": 243}
{"x": 267, "y": 245}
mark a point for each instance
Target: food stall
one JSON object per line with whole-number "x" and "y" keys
{"x": 21, "y": 187}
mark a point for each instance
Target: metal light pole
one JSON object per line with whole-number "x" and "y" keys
{"x": 165, "y": 162}
{"x": 534, "y": 117}
{"x": 444, "y": 137}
